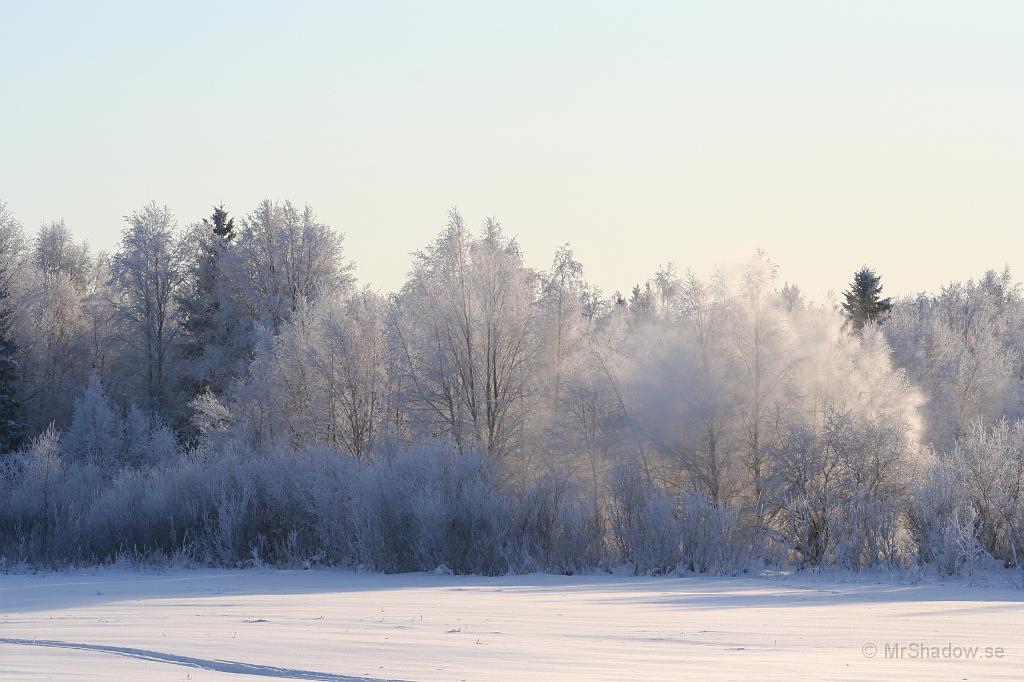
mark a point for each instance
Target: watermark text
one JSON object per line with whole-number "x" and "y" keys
{"x": 930, "y": 650}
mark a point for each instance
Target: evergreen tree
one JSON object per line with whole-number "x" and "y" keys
{"x": 221, "y": 225}
{"x": 863, "y": 300}
{"x": 214, "y": 338}
{"x": 10, "y": 428}
{"x": 199, "y": 304}
{"x": 641, "y": 300}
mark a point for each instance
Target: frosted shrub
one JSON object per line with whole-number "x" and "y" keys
{"x": 540, "y": 518}
{"x": 398, "y": 514}
{"x": 560, "y": 529}
{"x": 805, "y": 527}
{"x": 872, "y": 533}
{"x": 260, "y": 502}
{"x": 45, "y": 499}
{"x": 232, "y": 505}
{"x": 991, "y": 466}
{"x": 838, "y": 486}
{"x": 958, "y": 551}
{"x": 643, "y": 523}
{"x": 931, "y": 506}
{"x": 147, "y": 440}
{"x": 479, "y": 520}
{"x": 103, "y": 435}
{"x": 97, "y": 430}
{"x": 580, "y": 544}
{"x": 945, "y": 524}
{"x": 855, "y": 531}
{"x": 714, "y": 537}
{"x": 31, "y": 483}
{"x": 331, "y": 500}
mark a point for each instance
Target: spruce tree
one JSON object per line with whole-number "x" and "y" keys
{"x": 199, "y": 303}
{"x": 210, "y": 332}
{"x": 863, "y": 300}
{"x": 221, "y": 225}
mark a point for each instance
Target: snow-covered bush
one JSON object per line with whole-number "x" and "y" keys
{"x": 643, "y": 523}
{"x": 990, "y": 463}
{"x": 398, "y": 514}
{"x": 560, "y": 528}
{"x": 102, "y": 434}
{"x": 479, "y": 520}
{"x": 970, "y": 505}
{"x": 96, "y": 433}
{"x": 938, "y": 500}
{"x": 715, "y": 538}
{"x": 872, "y": 533}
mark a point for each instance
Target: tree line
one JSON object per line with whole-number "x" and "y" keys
{"x": 224, "y": 392}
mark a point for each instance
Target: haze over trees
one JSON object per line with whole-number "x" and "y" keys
{"x": 223, "y": 392}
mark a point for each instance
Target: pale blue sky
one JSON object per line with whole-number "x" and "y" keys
{"x": 828, "y": 133}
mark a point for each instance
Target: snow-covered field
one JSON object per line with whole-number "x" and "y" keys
{"x": 329, "y": 625}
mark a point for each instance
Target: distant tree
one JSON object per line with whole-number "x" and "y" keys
{"x": 53, "y": 331}
{"x": 56, "y": 255}
{"x": 212, "y": 332}
{"x": 561, "y": 314}
{"x": 12, "y": 257}
{"x": 102, "y": 434}
{"x": 791, "y": 298}
{"x": 466, "y": 322}
{"x": 146, "y": 277}
{"x": 863, "y": 300}
{"x": 285, "y": 257}
{"x": 965, "y": 346}
{"x": 13, "y": 246}
{"x": 220, "y": 224}
{"x": 10, "y": 428}
{"x": 641, "y": 300}
{"x": 323, "y": 378}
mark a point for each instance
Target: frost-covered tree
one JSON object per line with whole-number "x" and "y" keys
{"x": 102, "y": 319}
{"x": 102, "y": 434}
{"x": 989, "y": 460}
{"x": 765, "y": 351}
{"x": 848, "y": 444}
{"x": 354, "y": 362}
{"x": 684, "y": 380}
{"x": 57, "y": 255}
{"x": 591, "y": 428}
{"x": 324, "y": 378}
{"x": 11, "y": 431}
{"x": 216, "y": 327}
{"x": 964, "y": 348}
{"x": 466, "y": 324}
{"x": 200, "y": 301}
{"x": 284, "y": 256}
{"x": 53, "y": 329}
{"x": 146, "y": 277}
{"x": 13, "y": 247}
{"x": 562, "y": 318}
{"x": 12, "y": 257}
{"x": 96, "y": 430}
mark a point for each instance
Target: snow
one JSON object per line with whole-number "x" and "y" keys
{"x": 253, "y": 624}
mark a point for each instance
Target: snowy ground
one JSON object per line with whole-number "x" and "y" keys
{"x": 326, "y": 625}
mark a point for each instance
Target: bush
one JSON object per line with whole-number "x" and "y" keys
{"x": 715, "y": 538}
{"x": 643, "y": 523}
